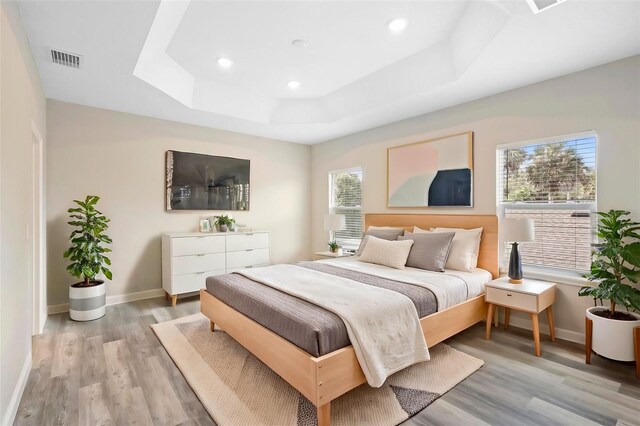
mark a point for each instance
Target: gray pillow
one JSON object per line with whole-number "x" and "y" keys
{"x": 389, "y": 234}
{"x": 430, "y": 251}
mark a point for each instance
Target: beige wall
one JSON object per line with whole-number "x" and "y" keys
{"x": 21, "y": 103}
{"x": 120, "y": 157}
{"x": 606, "y": 98}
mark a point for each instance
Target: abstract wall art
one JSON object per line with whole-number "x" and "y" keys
{"x": 433, "y": 173}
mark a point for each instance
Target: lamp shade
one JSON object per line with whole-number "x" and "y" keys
{"x": 334, "y": 222}
{"x": 518, "y": 230}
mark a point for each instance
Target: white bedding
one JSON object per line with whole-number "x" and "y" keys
{"x": 450, "y": 287}
{"x": 382, "y": 324}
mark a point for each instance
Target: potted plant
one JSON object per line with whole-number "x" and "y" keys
{"x": 333, "y": 247}
{"x": 87, "y": 298}
{"x": 615, "y": 264}
{"x": 224, "y": 222}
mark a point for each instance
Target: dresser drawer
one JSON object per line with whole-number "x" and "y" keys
{"x": 185, "y": 246}
{"x": 239, "y": 259}
{"x": 198, "y": 263}
{"x": 192, "y": 282}
{"x": 512, "y": 299}
{"x": 239, "y": 242}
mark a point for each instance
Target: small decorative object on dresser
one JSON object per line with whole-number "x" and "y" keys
{"x": 205, "y": 225}
{"x": 87, "y": 299}
{"x": 530, "y": 296}
{"x": 616, "y": 262}
{"x": 333, "y": 223}
{"x": 223, "y": 222}
{"x": 517, "y": 231}
{"x": 189, "y": 258}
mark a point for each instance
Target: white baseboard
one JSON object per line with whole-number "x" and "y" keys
{"x": 114, "y": 300}
{"x": 130, "y": 297}
{"x": 561, "y": 333}
{"x": 18, "y": 390}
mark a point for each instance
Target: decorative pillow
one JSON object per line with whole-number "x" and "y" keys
{"x": 465, "y": 248}
{"x": 386, "y": 233}
{"x": 388, "y": 253}
{"x": 430, "y": 250}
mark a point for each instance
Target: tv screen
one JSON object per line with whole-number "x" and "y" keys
{"x": 206, "y": 182}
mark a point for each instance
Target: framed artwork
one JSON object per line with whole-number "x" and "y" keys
{"x": 433, "y": 173}
{"x": 205, "y": 225}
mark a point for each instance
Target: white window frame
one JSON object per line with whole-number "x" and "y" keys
{"x": 567, "y": 276}
{"x": 350, "y": 243}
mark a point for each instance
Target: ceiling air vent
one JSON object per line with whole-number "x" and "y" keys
{"x": 539, "y": 5}
{"x": 65, "y": 58}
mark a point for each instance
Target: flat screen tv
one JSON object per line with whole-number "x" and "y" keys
{"x": 206, "y": 182}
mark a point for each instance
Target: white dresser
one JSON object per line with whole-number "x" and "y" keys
{"x": 189, "y": 258}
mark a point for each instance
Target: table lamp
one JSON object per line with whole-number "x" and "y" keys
{"x": 334, "y": 222}
{"x": 517, "y": 231}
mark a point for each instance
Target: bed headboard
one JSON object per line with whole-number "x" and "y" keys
{"x": 488, "y": 258}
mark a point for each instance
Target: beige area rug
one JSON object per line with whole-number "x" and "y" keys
{"x": 236, "y": 388}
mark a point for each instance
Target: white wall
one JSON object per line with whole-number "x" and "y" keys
{"x": 121, "y": 158}
{"x": 605, "y": 98}
{"x": 22, "y": 103}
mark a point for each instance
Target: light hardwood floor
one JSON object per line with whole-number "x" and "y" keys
{"x": 114, "y": 371}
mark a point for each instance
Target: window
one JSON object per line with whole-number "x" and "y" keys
{"x": 345, "y": 197}
{"x": 552, "y": 181}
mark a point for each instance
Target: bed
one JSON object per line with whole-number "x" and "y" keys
{"x": 307, "y": 346}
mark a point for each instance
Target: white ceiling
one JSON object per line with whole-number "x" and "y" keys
{"x": 158, "y": 58}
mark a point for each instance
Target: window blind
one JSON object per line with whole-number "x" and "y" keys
{"x": 345, "y": 197}
{"x": 554, "y": 183}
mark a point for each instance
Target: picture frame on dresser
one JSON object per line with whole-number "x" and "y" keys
{"x": 188, "y": 258}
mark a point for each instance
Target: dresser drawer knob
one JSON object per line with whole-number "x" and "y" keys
{"x": 201, "y": 254}
{"x": 249, "y": 249}
{"x": 509, "y": 294}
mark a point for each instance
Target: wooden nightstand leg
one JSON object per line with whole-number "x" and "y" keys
{"x": 636, "y": 345}
{"x": 490, "y": 312}
{"x": 536, "y": 332}
{"x": 507, "y": 314}
{"x": 174, "y": 300}
{"x": 212, "y": 326}
{"x": 552, "y": 327}
{"x": 497, "y": 316}
{"x": 588, "y": 333}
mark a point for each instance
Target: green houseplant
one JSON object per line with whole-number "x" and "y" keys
{"x": 87, "y": 298}
{"x": 224, "y": 222}
{"x": 615, "y": 269}
{"x": 333, "y": 247}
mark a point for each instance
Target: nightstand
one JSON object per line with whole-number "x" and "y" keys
{"x": 531, "y": 296}
{"x": 329, "y": 254}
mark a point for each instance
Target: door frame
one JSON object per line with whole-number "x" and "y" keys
{"x": 38, "y": 232}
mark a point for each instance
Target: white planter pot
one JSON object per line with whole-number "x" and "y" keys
{"x": 87, "y": 303}
{"x": 612, "y": 338}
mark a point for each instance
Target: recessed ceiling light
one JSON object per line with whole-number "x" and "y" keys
{"x": 299, "y": 43}
{"x": 293, "y": 84}
{"x": 397, "y": 25}
{"x": 225, "y": 62}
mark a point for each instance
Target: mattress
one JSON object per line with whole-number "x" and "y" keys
{"x": 312, "y": 328}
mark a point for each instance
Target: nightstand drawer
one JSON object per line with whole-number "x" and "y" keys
{"x": 512, "y": 299}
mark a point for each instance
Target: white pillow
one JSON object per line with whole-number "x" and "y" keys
{"x": 388, "y": 253}
{"x": 417, "y": 230}
{"x": 465, "y": 248}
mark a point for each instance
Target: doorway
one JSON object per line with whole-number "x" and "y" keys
{"x": 38, "y": 268}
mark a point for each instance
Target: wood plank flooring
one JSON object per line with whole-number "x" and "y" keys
{"x": 114, "y": 371}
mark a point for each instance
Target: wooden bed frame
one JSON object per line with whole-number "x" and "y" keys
{"x": 323, "y": 379}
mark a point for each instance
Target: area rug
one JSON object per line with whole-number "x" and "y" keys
{"x": 236, "y": 388}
